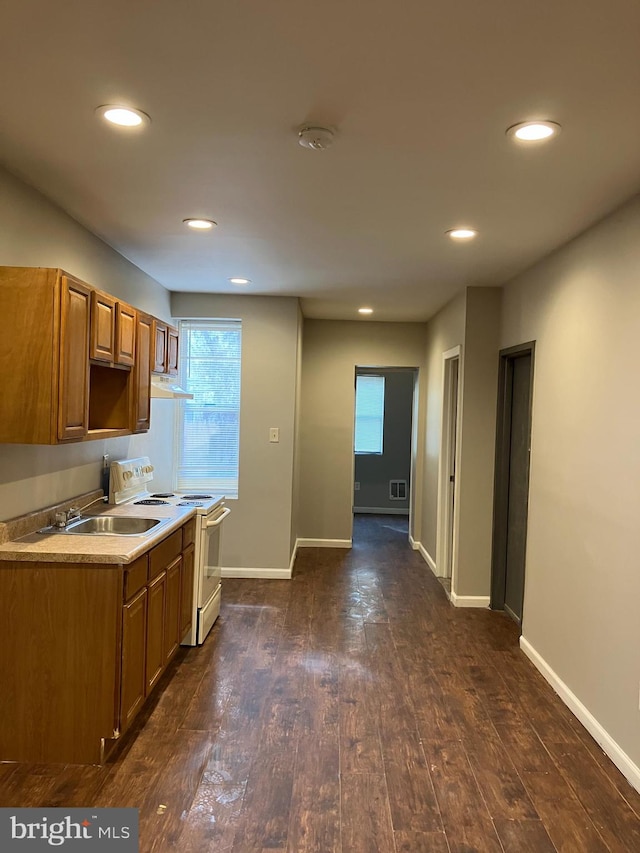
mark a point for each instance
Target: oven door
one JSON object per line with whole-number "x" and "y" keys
{"x": 208, "y": 562}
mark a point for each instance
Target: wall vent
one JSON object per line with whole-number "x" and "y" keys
{"x": 397, "y": 490}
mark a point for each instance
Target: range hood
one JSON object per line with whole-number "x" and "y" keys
{"x": 167, "y": 388}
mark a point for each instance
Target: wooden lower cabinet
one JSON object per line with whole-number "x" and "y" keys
{"x": 83, "y": 647}
{"x": 134, "y": 644}
{"x": 172, "y": 634}
{"x": 186, "y": 594}
{"x": 155, "y": 629}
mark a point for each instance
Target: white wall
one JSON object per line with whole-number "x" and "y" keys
{"x": 332, "y": 350}
{"x": 470, "y": 321}
{"x": 33, "y": 232}
{"x": 443, "y": 332}
{"x": 582, "y": 590}
{"x": 257, "y": 535}
{"x": 478, "y": 441}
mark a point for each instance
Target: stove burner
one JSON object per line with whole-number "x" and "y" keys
{"x": 190, "y": 503}
{"x": 195, "y": 497}
{"x": 163, "y": 495}
{"x": 150, "y": 502}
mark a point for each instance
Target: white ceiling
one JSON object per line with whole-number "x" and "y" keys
{"x": 420, "y": 93}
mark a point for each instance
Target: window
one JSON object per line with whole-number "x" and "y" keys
{"x": 369, "y": 414}
{"x": 208, "y": 427}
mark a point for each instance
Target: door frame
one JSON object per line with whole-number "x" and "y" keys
{"x": 446, "y": 526}
{"x": 501, "y": 478}
{"x": 414, "y": 439}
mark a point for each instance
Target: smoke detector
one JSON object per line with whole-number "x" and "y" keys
{"x": 317, "y": 138}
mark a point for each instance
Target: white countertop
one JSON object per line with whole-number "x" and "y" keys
{"x": 97, "y": 548}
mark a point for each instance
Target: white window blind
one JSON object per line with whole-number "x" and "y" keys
{"x": 369, "y": 414}
{"x": 208, "y": 427}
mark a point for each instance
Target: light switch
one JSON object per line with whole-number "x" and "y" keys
{"x": 274, "y": 435}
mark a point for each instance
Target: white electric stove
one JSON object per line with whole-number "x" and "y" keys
{"x": 129, "y": 483}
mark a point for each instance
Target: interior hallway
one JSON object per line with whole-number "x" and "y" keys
{"x": 353, "y": 710}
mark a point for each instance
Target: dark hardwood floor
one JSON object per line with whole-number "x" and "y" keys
{"x": 354, "y": 710}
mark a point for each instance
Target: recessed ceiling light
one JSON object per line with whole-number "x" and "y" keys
{"x": 534, "y": 131}
{"x": 461, "y": 233}
{"x": 123, "y": 116}
{"x": 240, "y": 280}
{"x": 365, "y": 310}
{"x": 200, "y": 224}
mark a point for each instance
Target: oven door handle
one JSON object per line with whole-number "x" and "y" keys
{"x": 219, "y": 519}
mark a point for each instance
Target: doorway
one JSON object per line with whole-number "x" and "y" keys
{"x": 511, "y": 496}
{"x": 449, "y": 461}
{"x": 383, "y": 445}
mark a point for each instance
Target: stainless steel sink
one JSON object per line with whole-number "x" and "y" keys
{"x": 109, "y": 525}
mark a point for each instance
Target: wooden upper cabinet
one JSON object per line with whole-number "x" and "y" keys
{"x": 141, "y": 418}
{"x": 76, "y": 362}
{"x": 125, "y": 334}
{"x": 103, "y": 312}
{"x": 172, "y": 350}
{"x": 73, "y": 367}
{"x": 165, "y": 359}
{"x": 113, "y": 330}
{"x": 160, "y": 347}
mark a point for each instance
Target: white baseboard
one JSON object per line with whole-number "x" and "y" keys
{"x": 470, "y": 600}
{"x": 426, "y": 556}
{"x": 324, "y": 543}
{"x": 381, "y": 510}
{"x": 415, "y": 545}
{"x": 280, "y": 574}
{"x": 293, "y": 558}
{"x": 619, "y": 757}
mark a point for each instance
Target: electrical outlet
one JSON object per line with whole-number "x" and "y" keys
{"x": 356, "y": 486}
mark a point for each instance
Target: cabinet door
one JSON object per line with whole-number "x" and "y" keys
{"x": 125, "y": 334}
{"x": 172, "y": 635}
{"x": 142, "y": 377}
{"x": 172, "y": 350}
{"x": 103, "y": 323}
{"x": 160, "y": 347}
{"x": 155, "y": 629}
{"x": 134, "y": 642}
{"x": 73, "y": 381}
{"x": 187, "y": 590}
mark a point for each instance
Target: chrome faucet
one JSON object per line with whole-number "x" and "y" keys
{"x": 63, "y": 517}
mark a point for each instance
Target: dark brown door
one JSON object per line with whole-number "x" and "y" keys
{"x": 512, "y": 480}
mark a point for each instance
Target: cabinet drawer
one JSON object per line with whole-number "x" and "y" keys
{"x": 135, "y": 576}
{"x": 188, "y": 533}
{"x": 164, "y": 553}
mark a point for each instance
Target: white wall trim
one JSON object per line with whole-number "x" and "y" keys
{"x": 281, "y": 574}
{"x": 615, "y": 752}
{"x": 415, "y": 545}
{"x": 426, "y": 556}
{"x": 446, "y": 550}
{"x": 381, "y": 510}
{"x": 469, "y": 600}
{"x": 293, "y": 558}
{"x": 324, "y": 543}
